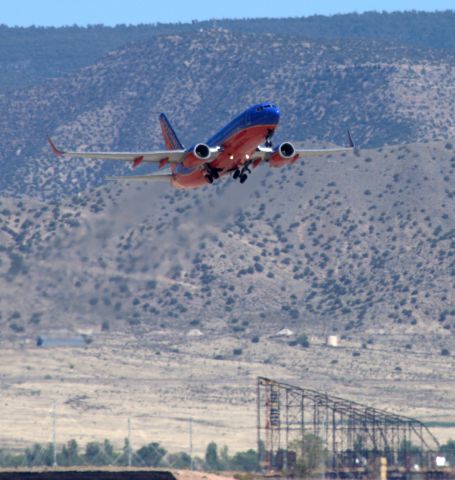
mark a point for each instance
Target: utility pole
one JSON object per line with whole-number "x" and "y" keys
{"x": 54, "y": 437}
{"x": 129, "y": 442}
{"x": 191, "y": 419}
{"x": 191, "y": 441}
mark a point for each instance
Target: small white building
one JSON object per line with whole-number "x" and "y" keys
{"x": 285, "y": 332}
{"x": 194, "y": 333}
{"x": 441, "y": 461}
{"x": 331, "y": 340}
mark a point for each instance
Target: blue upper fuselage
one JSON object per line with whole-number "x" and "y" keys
{"x": 261, "y": 114}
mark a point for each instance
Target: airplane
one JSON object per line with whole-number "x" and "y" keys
{"x": 243, "y": 144}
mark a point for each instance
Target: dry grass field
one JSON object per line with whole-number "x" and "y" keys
{"x": 161, "y": 380}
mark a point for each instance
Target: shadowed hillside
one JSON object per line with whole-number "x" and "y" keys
{"x": 31, "y": 55}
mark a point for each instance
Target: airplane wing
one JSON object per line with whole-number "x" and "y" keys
{"x": 147, "y": 178}
{"x": 158, "y": 156}
{"x": 265, "y": 153}
{"x": 304, "y": 152}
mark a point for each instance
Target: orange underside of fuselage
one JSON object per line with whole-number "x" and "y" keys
{"x": 238, "y": 146}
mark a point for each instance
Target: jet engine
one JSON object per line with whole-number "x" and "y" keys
{"x": 284, "y": 154}
{"x": 286, "y": 150}
{"x": 202, "y": 151}
{"x": 199, "y": 155}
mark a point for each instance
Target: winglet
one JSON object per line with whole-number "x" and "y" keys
{"x": 350, "y": 141}
{"x": 55, "y": 150}
{"x": 352, "y": 145}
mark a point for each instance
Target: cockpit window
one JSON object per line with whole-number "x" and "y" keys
{"x": 259, "y": 109}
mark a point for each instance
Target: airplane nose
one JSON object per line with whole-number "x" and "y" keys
{"x": 274, "y": 114}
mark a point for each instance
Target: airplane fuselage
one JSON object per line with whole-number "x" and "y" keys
{"x": 239, "y": 140}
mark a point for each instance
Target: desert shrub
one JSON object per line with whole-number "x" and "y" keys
{"x": 303, "y": 341}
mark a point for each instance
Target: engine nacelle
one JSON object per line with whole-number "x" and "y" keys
{"x": 202, "y": 151}
{"x": 286, "y": 150}
{"x": 200, "y": 154}
{"x": 284, "y": 154}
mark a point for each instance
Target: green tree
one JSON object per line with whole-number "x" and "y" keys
{"x": 93, "y": 454}
{"x": 109, "y": 452}
{"x": 448, "y": 450}
{"x": 211, "y": 457}
{"x": 151, "y": 455}
{"x": 69, "y": 456}
{"x": 408, "y": 453}
{"x": 223, "y": 458}
{"x": 303, "y": 341}
{"x": 245, "y": 461}
{"x": 123, "y": 459}
{"x": 38, "y": 455}
{"x": 8, "y": 460}
{"x": 311, "y": 453}
{"x": 179, "y": 460}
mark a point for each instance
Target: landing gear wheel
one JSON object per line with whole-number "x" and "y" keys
{"x": 236, "y": 174}
{"x": 215, "y": 174}
{"x": 209, "y": 178}
{"x": 243, "y": 178}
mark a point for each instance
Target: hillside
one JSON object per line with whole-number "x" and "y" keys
{"x": 385, "y": 93}
{"x": 359, "y": 246}
{"x": 29, "y": 56}
{"x": 344, "y": 242}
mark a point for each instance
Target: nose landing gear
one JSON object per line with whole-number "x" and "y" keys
{"x": 268, "y": 138}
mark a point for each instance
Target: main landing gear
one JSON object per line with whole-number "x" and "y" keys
{"x": 242, "y": 174}
{"x": 212, "y": 173}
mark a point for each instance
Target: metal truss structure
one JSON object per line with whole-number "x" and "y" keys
{"x": 296, "y": 424}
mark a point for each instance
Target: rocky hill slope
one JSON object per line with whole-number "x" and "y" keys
{"x": 29, "y": 56}
{"x": 341, "y": 243}
{"x": 386, "y": 93}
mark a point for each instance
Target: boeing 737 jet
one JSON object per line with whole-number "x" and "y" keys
{"x": 242, "y": 144}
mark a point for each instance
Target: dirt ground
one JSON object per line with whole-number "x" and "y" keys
{"x": 170, "y": 385}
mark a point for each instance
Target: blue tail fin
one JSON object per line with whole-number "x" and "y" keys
{"x": 170, "y": 138}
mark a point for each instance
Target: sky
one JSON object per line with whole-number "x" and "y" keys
{"x": 112, "y": 12}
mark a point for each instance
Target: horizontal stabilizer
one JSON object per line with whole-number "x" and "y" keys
{"x": 147, "y": 178}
